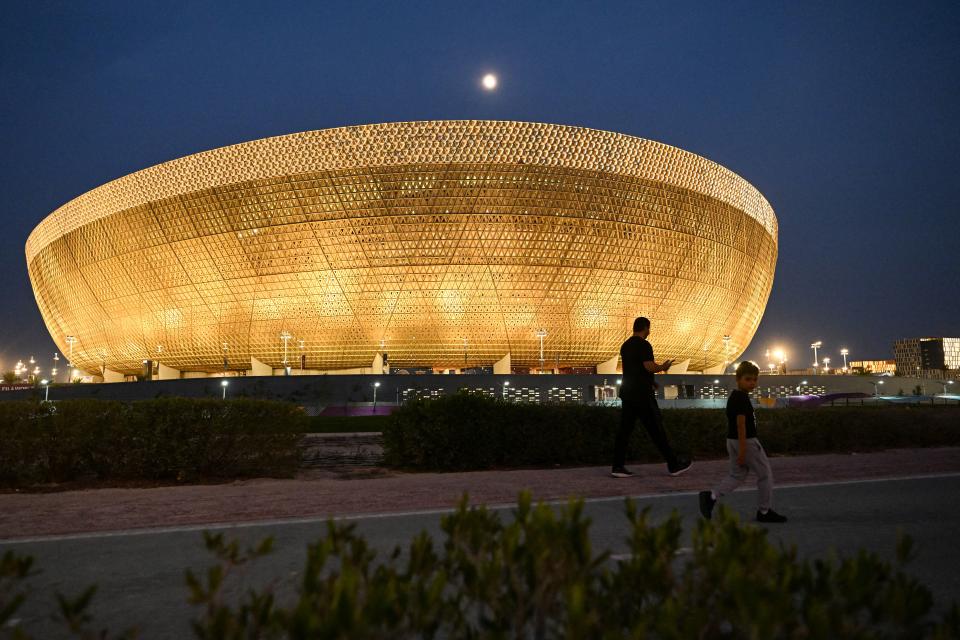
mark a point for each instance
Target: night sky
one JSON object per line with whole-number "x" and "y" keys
{"x": 845, "y": 115}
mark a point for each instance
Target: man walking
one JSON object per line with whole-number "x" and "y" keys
{"x": 638, "y": 395}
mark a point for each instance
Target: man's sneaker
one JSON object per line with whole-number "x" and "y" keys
{"x": 682, "y": 465}
{"x": 621, "y": 472}
{"x": 706, "y": 504}
{"x": 770, "y": 516}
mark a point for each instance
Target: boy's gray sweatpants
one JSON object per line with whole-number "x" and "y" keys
{"x": 756, "y": 460}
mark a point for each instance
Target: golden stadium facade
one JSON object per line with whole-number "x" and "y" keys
{"x": 443, "y": 243}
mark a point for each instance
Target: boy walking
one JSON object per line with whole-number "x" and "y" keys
{"x": 638, "y": 396}
{"x": 745, "y": 451}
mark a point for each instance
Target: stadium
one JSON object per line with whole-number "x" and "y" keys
{"x": 439, "y": 245}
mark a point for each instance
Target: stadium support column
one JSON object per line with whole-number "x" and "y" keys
{"x": 609, "y": 367}
{"x": 112, "y": 376}
{"x": 167, "y": 373}
{"x": 502, "y": 365}
{"x": 258, "y": 368}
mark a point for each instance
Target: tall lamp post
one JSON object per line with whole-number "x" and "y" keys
{"x": 945, "y": 383}
{"x": 816, "y": 345}
{"x": 876, "y": 389}
{"x": 70, "y": 340}
{"x": 375, "y": 385}
{"x": 224, "y": 384}
{"x": 826, "y": 365}
{"x": 844, "y": 352}
{"x": 56, "y": 360}
{"x": 286, "y": 338}
{"x": 542, "y": 333}
{"x": 46, "y": 389}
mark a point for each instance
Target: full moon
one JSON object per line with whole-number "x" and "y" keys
{"x": 489, "y": 82}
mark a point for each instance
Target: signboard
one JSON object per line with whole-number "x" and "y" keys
{"x": 17, "y": 386}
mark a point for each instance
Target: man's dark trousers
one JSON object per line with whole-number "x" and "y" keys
{"x": 643, "y": 406}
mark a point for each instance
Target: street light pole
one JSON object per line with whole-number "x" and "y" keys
{"x": 286, "y": 338}
{"x": 224, "y": 384}
{"x": 376, "y": 385}
{"x": 816, "y": 345}
{"x": 70, "y": 340}
{"x": 844, "y": 352}
{"x": 876, "y": 389}
{"x": 542, "y": 333}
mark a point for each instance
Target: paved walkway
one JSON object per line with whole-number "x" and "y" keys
{"x": 365, "y": 491}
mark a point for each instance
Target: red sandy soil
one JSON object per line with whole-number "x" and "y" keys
{"x": 321, "y": 493}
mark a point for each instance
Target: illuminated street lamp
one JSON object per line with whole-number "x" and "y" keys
{"x": 542, "y": 333}
{"x": 772, "y": 366}
{"x": 70, "y": 340}
{"x": 945, "y": 383}
{"x": 224, "y": 384}
{"x": 816, "y": 345}
{"x": 800, "y": 386}
{"x": 844, "y": 352}
{"x": 876, "y": 389}
{"x": 781, "y": 356}
{"x": 826, "y": 365}
{"x": 286, "y": 338}
{"x": 375, "y": 385}
{"x": 46, "y": 391}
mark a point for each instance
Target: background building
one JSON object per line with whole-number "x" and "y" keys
{"x": 929, "y": 357}
{"x": 874, "y": 366}
{"x": 448, "y": 244}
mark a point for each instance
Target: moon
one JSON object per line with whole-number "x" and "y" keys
{"x": 489, "y": 82}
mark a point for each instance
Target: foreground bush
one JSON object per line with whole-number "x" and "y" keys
{"x": 464, "y": 432}
{"x": 162, "y": 439}
{"x": 537, "y": 576}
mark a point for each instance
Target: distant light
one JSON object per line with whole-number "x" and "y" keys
{"x": 716, "y": 382}
{"x": 489, "y": 82}
{"x": 376, "y": 384}
{"x": 506, "y": 383}
{"x": 619, "y": 381}
{"x": 224, "y": 383}
{"x": 44, "y": 381}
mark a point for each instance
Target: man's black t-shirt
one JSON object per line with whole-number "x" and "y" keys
{"x": 738, "y": 404}
{"x": 636, "y": 379}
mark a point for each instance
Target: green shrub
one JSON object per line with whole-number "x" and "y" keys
{"x": 463, "y": 432}
{"x": 161, "y": 439}
{"x": 537, "y": 576}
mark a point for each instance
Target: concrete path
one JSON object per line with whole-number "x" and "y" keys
{"x": 140, "y": 572}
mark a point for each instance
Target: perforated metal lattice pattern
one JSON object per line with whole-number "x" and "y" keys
{"x": 450, "y": 242}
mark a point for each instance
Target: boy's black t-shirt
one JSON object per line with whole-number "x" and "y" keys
{"x": 738, "y": 404}
{"x": 633, "y": 353}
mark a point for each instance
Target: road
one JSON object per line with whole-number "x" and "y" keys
{"x": 141, "y": 573}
